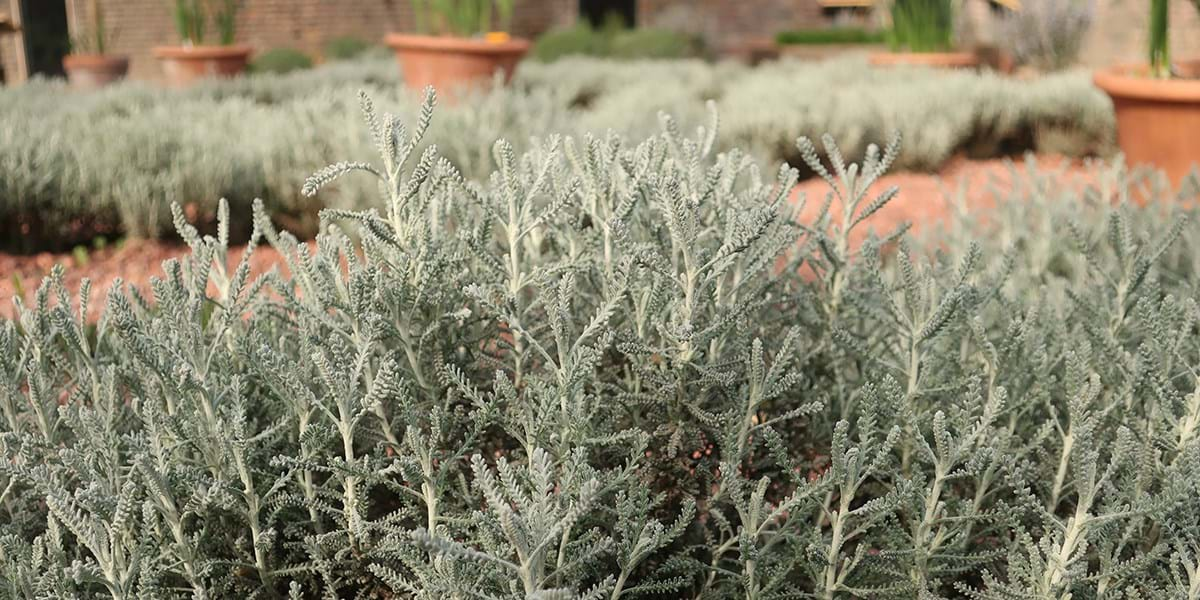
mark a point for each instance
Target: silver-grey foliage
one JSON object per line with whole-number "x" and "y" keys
{"x": 118, "y": 159}
{"x": 1047, "y": 34}
{"x": 615, "y": 370}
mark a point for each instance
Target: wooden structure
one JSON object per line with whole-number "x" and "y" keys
{"x": 12, "y": 43}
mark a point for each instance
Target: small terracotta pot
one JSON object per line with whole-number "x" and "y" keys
{"x": 92, "y": 71}
{"x": 451, "y": 63}
{"x": 1158, "y": 120}
{"x": 184, "y": 65}
{"x": 944, "y": 60}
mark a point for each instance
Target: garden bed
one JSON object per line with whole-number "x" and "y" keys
{"x": 927, "y": 201}
{"x": 614, "y": 367}
{"x": 119, "y": 157}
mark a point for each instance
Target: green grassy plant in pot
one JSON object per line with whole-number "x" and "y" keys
{"x": 922, "y": 33}
{"x": 827, "y": 43}
{"x": 458, "y": 44}
{"x": 1157, "y": 104}
{"x": 90, "y": 65}
{"x": 195, "y": 59}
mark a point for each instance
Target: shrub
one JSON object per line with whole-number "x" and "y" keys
{"x": 118, "y": 158}
{"x": 346, "y": 48}
{"x": 1047, "y": 34}
{"x": 614, "y": 41}
{"x": 578, "y": 40}
{"x": 940, "y": 113}
{"x": 192, "y": 18}
{"x": 830, "y": 35}
{"x": 280, "y": 60}
{"x": 645, "y": 42}
{"x": 465, "y": 18}
{"x": 922, "y": 25}
{"x": 613, "y": 369}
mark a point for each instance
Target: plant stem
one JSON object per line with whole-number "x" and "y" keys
{"x": 1160, "y": 48}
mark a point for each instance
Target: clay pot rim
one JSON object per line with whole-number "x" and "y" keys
{"x": 1129, "y": 81}
{"x": 203, "y": 52}
{"x": 94, "y": 60}
{"x": 925, "y": 59}
{"x": 435, "y": 43}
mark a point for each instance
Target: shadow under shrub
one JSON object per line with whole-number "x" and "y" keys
{"x": 614, "y": 368}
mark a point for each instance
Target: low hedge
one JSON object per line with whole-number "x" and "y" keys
{"x": 830, "y": 35}
{"x": 280, "y": 60}
{"x": 115, "y": 160}
{"x": 616, "y": 43}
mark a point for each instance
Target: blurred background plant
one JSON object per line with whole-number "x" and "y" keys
{"x": 922, "y": 25}
{"x": 95, "y": 39}
{"x": 1047, "y": 34}
{"x": 280, "y": 60}
{"x": 225, "y": 18}
{"x": 615, "y": 39}
{"x": 346, "y": 48}
{"x": 192, "y": 19}
{"x": 116, "y": 159}
{"x": 463, "y": 18}
{"x": 831, "y": 35}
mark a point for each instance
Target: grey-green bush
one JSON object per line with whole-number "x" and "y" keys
{"x": 121, "y": 156}
{"x": 577, "y": 40}
{"x": 650, "y": 43}
{"x": 613, "y": 370}
{"x": 280, "y": 60}
{"x": 346, "y": 48}
{"x": 617, "y": 42}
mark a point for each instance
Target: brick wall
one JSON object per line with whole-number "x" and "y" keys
{"x": 1121, "y": 31}
{"x": 139, "y": 25}
{"x": 725, "y": 23}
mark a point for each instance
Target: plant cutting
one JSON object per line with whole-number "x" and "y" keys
{"x": 89, "y": 65}
{"x": 458, "y": 44}
{"x": 195, "y": 59}
{"x": 922, "y": 33}
{"x": 1157, "y": 104}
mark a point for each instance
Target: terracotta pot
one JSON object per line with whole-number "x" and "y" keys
{"x": 945, "y": 60}
{"x": 91, "y": 71}
{"x": 452, "y": 63}
{"x": 184, "y": 65}
{"x": 1158, "y": 120}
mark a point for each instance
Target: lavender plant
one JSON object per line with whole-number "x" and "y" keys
{"x": 1048, "y": 34}
{"x": 618, "y": 370}
{"x": 64, "y": 164}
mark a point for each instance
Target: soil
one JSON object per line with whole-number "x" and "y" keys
{"x": 922, "y": 201}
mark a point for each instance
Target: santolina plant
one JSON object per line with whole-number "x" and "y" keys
{"x": 616, "y": 370}
{"x": 119, "y": 158}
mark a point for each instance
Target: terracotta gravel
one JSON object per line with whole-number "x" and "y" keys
{"x": 922, "y": 201}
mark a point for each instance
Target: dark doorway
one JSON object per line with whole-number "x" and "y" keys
{"x": 598, "y": 12}
{"x": 47, "y": 39}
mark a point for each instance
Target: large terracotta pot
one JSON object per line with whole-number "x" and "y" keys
{"x": 452, "y": 63}
{"x": 184, "y": 65}
{"x": 92, "y": 71}
{"x": 1158, "y": 120}
{"x": 945, "y": 60}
